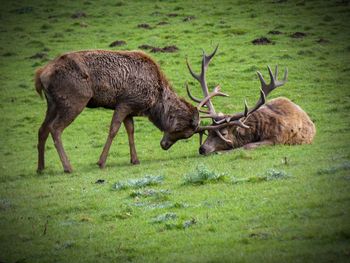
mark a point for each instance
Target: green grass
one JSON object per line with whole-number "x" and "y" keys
{"x": 202, "y": 175}
{"x": 301, "y": 217}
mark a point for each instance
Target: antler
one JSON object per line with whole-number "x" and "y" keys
{"x": 266, "y": 89}
{"x": 264, "y": 92}
{"x": 206, "y": 102}
{"x": 238, "y": 119}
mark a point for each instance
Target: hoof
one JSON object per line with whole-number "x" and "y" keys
{"x": 68, "y": 170}
{"x": 101, "y": 164}
{"x": 135, "y": 162}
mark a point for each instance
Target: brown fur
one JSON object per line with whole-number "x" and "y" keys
{"x": 280, "y": 121}
{"x": 38, "y": 86}
{"x": 129, "y": 82}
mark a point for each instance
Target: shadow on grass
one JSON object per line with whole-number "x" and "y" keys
{"x": 114, "y": 163}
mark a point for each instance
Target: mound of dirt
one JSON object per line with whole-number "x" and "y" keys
{"x": 162, "y": 23}
{"x": 298, "y": 35}
{"x": 262, "y": 41}
{"x": 78, "y": 14}
{"x": 39, "y": 55}
{"x": 146, "y": 47}
{"x": 322, "y": 41}
{"x": 166, "y": 49}
{"x": 145, "y": 26}
{"x": 117, "y": 43}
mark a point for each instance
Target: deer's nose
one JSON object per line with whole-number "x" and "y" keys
{"x": 201, "y": 150}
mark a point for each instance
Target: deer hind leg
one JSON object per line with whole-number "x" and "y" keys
{"x": 119, "y": 115}
{"x": 43, "y": 134}
{"x": 129, "y": 126}
{"x": 66, "y": 113}
{"x": 254, "y": 145}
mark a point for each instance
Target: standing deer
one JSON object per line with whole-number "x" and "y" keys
{"x": 128, "y": 82}
{"x": 280, "y": 121}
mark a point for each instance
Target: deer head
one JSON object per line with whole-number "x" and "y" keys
{"x": 231, "y": 136}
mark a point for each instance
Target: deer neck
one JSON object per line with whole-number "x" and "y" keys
{"x": 169, "y": 110}
{"x": 242, "y": 136}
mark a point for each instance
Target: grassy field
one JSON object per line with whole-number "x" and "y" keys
{"x": 273, "y": 204}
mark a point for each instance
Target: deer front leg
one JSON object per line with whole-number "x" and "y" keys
{"x": 129, "y": 126}
{"x": 118, "y": 117}
{"x": 254, "y": 145}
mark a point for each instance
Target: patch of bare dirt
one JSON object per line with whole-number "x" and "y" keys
{"x": 100, "y": 181}
{"x": 117, "y": 43}
{"x": 39, "y": 55}
{"x": 78, "y": 14}
{"x": 262, "y": 41}
{"x": 162, "y": 23}
{"x": 298, "y": 35}
{"x": 322, "y": 41}
{"x": 166, "y": 49}
{"x": 146, "y": 47}
{"x": 145, "y": 26}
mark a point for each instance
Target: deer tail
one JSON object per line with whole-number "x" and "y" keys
{"x": 38, "y": 84}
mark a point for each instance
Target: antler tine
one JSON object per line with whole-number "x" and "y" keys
{"x": 216, "y": 92}
{"x": 191, "y": 71}
{"x": 201, "y": 79}
{"x": 264, "y": 91}
{"x": 279, "y": 83}
{"x": 260, "y": 102}
{"x": 223, "y": 138}
{"x": 245, "y": 108}
{"x": 207, "y": 59}
{"x": 276, "y": 72}
{"x": 223, "y": 125}
{"x": 274, "y": 83}
{"x": 237, "y": 116}
{"x": 190, "y": 95}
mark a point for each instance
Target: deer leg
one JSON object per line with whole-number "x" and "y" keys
{"x": 43, "y": 135}
{"x": 117, "y": 119}
{"x": 254, "y": 145}
{"x": 65, "y": 116}
{"x": 129, "y": 126}
{"x": 56, "y": 136}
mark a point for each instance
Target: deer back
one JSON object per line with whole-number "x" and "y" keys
{"x": 281, "y": 121}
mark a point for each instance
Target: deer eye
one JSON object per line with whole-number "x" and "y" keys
{"x": 224, "y": 132}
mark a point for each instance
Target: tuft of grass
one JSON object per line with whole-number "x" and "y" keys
{"x": 157, "y": 194}
{"x": 202, "y": 175}
{"x": 331, "y": 170}
{"x": 139, "y": 183}
{"x": 5, "y": 204}
{"x": 181, "y": 224}
{"x": 269, "y": 175}
{"x": 273, "y": 174}
{"x": 164, "y": 217}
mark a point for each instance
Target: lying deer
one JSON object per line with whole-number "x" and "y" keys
{"x": 128, "y": 82}
{"x": 279, "y": 121}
